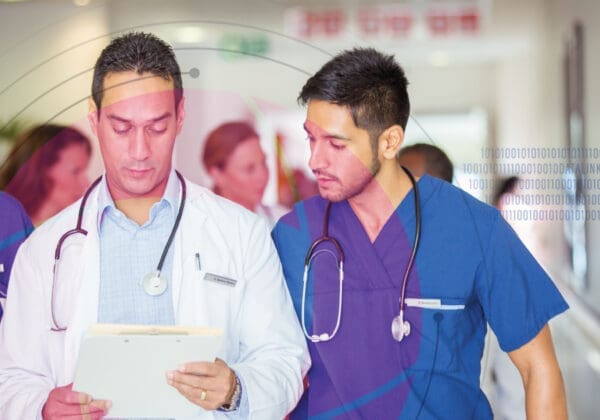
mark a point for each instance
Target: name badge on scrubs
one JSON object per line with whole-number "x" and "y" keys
{"x": 225, "y": 281}
{"x": 432, "y": 304}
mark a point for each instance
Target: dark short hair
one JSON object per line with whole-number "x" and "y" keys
{"x": 437, "y": 163}
{"x": 371, "y": 84}
{"x": 140, "y": 52}
{"x": 505, "y": 186}
{"x": 24, "y": 174}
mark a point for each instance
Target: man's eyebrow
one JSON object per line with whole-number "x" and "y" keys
{"x": 117, "y": 118}
{"x": 161, "y": 117}
{"x": 125, "y": 120}
{"x": 326, "y": 134}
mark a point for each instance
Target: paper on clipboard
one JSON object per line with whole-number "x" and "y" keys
{"x": 127, "y": 365}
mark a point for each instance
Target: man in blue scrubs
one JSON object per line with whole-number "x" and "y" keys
{"x": 470, "y": 268}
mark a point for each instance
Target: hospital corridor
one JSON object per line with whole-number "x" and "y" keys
{"x": 507, "y": 92}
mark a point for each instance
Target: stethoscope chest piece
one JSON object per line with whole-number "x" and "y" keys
{"x": 154, "y": 284}
{"x": 400, "y": 327}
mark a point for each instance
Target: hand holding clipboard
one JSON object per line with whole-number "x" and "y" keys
{"x": 127, "y": 365}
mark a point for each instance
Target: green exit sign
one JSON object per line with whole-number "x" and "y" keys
{"x": 236, "y": 46}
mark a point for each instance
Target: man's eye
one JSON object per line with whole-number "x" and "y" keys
{"x": 337, "y": 146}
{"x": 158, "y": 129}
{"x": 121, "y": 129}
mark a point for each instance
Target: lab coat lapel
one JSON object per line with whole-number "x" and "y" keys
{"x": 187, "y": 242}
{"x": 87, "y": 285}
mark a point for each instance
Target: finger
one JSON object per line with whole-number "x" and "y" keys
{"x": 194, "y": 395}
{"x": 89, "y": 411}
{"x": 97, "y": 415}
{"x": 68, "y": 397}
{"x": 187, "y": 379}
{"x": 62, "y": 410}
{"x": 102, "y": 405}
{"x": 200, "y": 368}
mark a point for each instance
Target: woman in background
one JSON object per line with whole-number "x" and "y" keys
{"x": 236, "y": 162}
{"x": 46, "y": 170}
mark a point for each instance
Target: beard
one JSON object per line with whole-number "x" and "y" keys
{"x": 358, "y": 186}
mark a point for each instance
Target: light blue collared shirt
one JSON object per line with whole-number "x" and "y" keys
{"x": 128, "y": 252}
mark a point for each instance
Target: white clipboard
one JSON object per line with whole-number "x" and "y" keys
{"x": 127, "y": 365}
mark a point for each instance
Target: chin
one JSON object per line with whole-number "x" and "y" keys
{"x": 332, "y": 196}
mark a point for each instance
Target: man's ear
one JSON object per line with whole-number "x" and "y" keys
{"x": 93, "y": 116}
{"x": 390, "y": 141}
{"x": 180, "y": 114}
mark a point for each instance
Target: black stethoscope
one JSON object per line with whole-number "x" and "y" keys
{"x": 154, "y": 283}
{"x": 400, "y": 327}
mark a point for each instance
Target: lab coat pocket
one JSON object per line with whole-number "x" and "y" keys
{"x": 437, "y": 331}
{"x": 213, "y": 293}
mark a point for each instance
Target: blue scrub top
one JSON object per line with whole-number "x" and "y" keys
{"x": 470, "y": 268}
{"x": 15, "y": 226}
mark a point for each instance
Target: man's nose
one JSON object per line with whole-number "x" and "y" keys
{"x": 138, "y": 148}
{"x": 318, "y": 155}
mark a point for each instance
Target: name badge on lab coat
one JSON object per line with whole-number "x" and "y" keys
{"x": 226, "y": 281}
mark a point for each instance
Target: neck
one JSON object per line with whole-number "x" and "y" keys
{"x": 247, "y": 205}
{"x": 46, "y": 211}
{"x": 378, "y": 201}
{"x": 137, "y": 209}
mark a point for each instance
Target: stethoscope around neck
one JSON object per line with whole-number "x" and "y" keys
{"x": 154, "y": 283}
{"x": 400, "y": 327}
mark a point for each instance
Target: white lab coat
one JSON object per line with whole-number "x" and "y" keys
{"x": 263, "y": 341}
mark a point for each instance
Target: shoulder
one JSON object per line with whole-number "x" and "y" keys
{"x": 15, "y": 225}
{"x": 456, "y": 204}
{"x": 52, "y": 229}
{"x": 309, "y": 208}
{"x": 10, "y": 207}
{"x": 450, "y": 212}
{"x": 220, "y": 211}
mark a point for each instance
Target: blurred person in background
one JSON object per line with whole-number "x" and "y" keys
{"x": 15, "y": 226}
{"x": 421, "y": 158}
{"x": 46, "y": 170}
{"x": 236, "y": 162}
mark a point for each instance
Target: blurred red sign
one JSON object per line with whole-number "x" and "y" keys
{"x": 385, "y": 20}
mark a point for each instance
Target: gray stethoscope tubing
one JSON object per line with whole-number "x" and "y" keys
{"x": 80, "y": 230}
{"x": 400, "y": 327}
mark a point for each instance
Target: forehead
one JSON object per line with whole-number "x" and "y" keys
{"x": 325, "y": 118}
{"x": 131, "y": 88}
{"x": 248, "y": 150}
{"x": 319, "y": 110}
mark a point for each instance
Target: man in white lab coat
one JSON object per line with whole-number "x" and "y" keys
{"x": 219, "y": 270}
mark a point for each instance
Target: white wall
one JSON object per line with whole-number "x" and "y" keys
{"x": 561, "y": 16}
{"x": 47, "y": 54}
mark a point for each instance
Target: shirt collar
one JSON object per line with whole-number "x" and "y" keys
{"x": 171, "y": 196}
